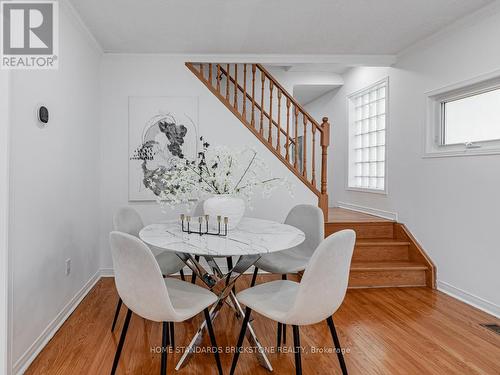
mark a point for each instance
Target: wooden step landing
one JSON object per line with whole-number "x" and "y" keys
{"x": 365, "y": 225}
{"x": 385, "y": 254}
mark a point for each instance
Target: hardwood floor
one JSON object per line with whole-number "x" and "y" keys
{"x": 386, "y": 331}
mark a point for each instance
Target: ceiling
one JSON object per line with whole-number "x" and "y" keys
{"x": 305, "y": 94}
{"x": 267, "y": 26}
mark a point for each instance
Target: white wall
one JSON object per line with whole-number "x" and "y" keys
{"x": 4, "y": 215}
{"x": 54, "y": 194}
{"x": 133, "y": 75}
{"x": 450, "y": 204}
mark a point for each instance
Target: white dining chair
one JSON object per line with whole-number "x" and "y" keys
{"x": 316, "y": 298}
{"x": 141, "y": 286}
{"x": 128, "y": 220}
{"x": 310, "y": 220}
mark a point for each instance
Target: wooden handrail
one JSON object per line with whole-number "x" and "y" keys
{"x": 301, "y": 162}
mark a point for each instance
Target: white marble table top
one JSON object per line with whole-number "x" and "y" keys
{"x": 252, "y": 236}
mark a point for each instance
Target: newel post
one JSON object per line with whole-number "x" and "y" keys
{"x": 325, "y": 142}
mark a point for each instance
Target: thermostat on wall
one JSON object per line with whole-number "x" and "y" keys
{"x": 43, "y": 115}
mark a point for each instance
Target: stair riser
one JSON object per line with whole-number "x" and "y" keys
{"x": 363, "y": 230}
{"x": 386, "y": 278}
{"x": 378, "y": 253}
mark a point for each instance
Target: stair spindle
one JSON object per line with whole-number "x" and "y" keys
{"x": 227, "y": 82}
{"x": 252, "y": 122}
{"x": 235, "y": 100}
{"x": 296, "y": 133}
{"x": 287, "y": 145}
{"x": 263, "y": 79}
{"x": 304, "y": 148}
{"x": 218, "y": 78}
{"x": 210, "y": 73}
{"x": 278, "y": 141}
{"x": 313, "y": 155}
{"x": 325, "y": 142}
{"x": 244, "y": 113}
{"x": 270, "y": 135}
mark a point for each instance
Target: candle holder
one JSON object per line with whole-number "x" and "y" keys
{"x": 203, "y": 227}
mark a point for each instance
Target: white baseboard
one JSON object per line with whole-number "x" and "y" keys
{"x": 368, "y": 210}
{"x": 29, "y": 356}
{"x": 469, "y": 298}
{"x": 107, "y": 272}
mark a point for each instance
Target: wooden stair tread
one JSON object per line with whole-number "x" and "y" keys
{"x": 387, "y": 266}
{"x": 342, "y": 215}
{"x": 380, "y": 242}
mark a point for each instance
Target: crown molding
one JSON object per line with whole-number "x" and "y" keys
{"x": 276, "y": 59}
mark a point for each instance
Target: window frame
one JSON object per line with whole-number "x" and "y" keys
{"x": 350, "y": 121}
{"x": 435, "y": 122}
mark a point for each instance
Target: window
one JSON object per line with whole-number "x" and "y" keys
{"x": 367, "y": 133}
{"x": 474, "y": 118}
{"x": 464, "y": 119}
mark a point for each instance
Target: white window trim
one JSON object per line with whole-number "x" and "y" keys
{"x": 385, "y": 191}
{"x": 433, "y": 125}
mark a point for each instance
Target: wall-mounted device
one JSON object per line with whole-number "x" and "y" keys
{"x": 43, "y": 115}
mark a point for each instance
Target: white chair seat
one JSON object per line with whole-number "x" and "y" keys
{"x": 283, "y": 262}
{"x": 273, "y": 299}
{"x": 310, "y": 220}
{"x": 188, "y": 299}
{"x": 169, "y": 262}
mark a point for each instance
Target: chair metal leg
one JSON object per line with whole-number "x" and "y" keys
{"x": 229, "y": 261}
{"x": 278, "y": 340}
{"x": 338, "y": 348}
{"x": 243, "y": 331}
{"x": 296, "y": 343}
{"x": 193, "y": 276}
{"x": 213, "y": 341}
{"x": 164, "y": 349}
{"x": 172, "y": 335}
{"x": 283, "y": 277}
{"x": 254, "y": 277}
{"x": 183, "y": 278}
{"x": 117, "y": 312}
{"x": 167, "y": 329}
{"x": 121, "y": 342}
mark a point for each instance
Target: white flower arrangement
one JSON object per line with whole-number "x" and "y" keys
{"x": 216, "y": 170}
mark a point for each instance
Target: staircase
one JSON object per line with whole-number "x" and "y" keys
{"x": 258, "y": 100}
{"x": 385, "y": 255}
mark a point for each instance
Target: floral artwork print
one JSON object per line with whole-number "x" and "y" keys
{"x": 161, "y": 130}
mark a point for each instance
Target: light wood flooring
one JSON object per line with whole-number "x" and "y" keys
{"x": 400, "y": 331}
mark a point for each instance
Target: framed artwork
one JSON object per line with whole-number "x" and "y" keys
{"x": 168, "y": 125}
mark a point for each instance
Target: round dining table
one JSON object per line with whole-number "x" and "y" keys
{"x": 250, "y": 240}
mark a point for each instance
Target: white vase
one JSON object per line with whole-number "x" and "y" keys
{"x": 226, "y": 206}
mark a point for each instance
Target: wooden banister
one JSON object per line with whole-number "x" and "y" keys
{"x": 255, "y": 104}
{"x": 301, "y": 135}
